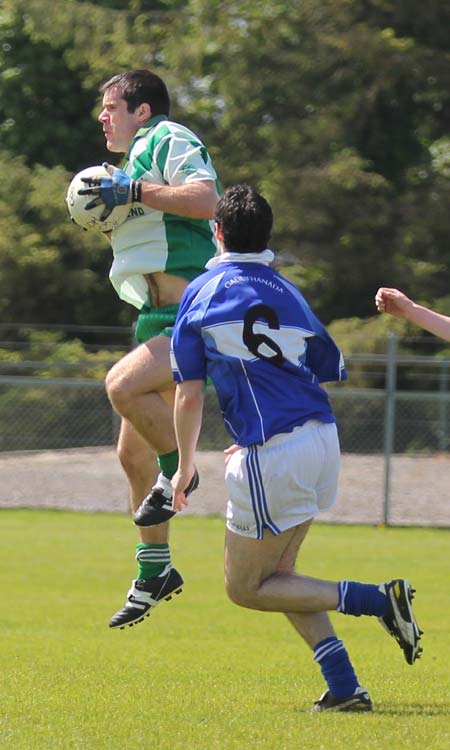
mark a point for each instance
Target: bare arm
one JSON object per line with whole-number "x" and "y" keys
{"x": 188, "y": 412}
{"x": 396, "y": 303}
{"x": 195, "y": 200}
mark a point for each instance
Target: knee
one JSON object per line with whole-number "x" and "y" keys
{"x": 117, "y": 387}
{"x": 240, "y": 592}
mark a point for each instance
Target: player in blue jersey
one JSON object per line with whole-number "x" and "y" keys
{"x": 252, "y": 332}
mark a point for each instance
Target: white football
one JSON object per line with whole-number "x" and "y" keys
{"x": 90, "y": 218}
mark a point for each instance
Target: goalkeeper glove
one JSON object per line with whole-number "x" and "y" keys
{"x": 116, "y": 190}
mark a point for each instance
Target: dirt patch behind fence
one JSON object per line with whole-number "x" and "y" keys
{"x": 91, "y": 479}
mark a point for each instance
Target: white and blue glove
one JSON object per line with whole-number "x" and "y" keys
{"x": 116, "y": 190}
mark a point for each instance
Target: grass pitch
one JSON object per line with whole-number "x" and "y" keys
{"x": 200, "y": 673}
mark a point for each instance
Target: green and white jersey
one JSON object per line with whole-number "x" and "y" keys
{"x": 164, "y": 153}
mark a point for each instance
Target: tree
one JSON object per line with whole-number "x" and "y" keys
{"x": 51, "y": 271}
{"x": 331, "y": 109}
{"x": 45, "y": 113}
{"x": 49, "y": 84}
{"x": 339, "y": 112}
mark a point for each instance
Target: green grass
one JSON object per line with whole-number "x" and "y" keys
{"x": 200, "y": 673}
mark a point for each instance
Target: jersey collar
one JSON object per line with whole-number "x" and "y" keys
{"x": 144, "y": 130}
{"x": 265, "y": 257}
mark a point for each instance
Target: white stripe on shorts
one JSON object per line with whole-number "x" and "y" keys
{"x": 258, "y": 496}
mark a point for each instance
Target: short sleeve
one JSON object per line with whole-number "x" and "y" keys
{"x": 187, "y": 350}
{"x": 324, "y": 359}
{"x": 183, "y": 160}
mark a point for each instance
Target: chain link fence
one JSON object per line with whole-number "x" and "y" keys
{"x": 54, "y": 413}
{"x": 397, "y": 427}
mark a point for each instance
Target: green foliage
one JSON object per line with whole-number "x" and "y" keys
{"x": 50, "y": 270}
{"x": 337, "y": 111}
{"x": 69, "y": 411}
{"x": 61, "y": 357}
{"x": 368, "y": 336}
{"x": 330, "y": 108}
{"x": 440, "y": 152}
{"x": 49, "y": 82}
{"x": 45, "y": 113}
{"x": 345, "y": 214}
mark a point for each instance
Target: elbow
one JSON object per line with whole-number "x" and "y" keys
{"x": 209, "y": 202}
{"x": 213, "y": 201}
{"x": 190, "y": 402}
{"x": 190, "y": 396}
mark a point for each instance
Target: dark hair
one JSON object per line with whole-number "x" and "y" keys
{"x": 245, "y": 218}
{"x": 139, "y": 86}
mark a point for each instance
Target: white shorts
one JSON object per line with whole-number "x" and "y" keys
{"x": 284, "y": 482}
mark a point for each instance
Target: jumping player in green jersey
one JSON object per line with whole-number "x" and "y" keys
{"x": 171, "y": 185}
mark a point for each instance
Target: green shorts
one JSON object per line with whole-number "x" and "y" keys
{"x": 155, "y": 321}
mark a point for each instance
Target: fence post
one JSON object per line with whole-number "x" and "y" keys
{"x": 443, "y": 406}
{"x": 389, "y": 419}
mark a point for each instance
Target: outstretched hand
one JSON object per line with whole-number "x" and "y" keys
{"x": 116, "y": 190}
{"x": 392, "y": 301}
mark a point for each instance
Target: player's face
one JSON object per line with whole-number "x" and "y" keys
{"x": 119, "y": 125}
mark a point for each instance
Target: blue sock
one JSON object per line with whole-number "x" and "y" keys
{"x": 361, "y": 599}
{"x": 336, "y": 667}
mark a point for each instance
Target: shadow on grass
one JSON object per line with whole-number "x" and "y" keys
{"x": 413, "y": 709}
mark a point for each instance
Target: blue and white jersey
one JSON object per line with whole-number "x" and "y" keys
{"x": 252, "y": 332}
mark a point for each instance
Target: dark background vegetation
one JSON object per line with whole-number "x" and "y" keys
{"x": 338, "y": 111}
